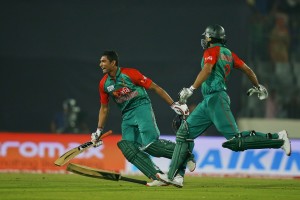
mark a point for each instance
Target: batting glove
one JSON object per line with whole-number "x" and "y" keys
{"x": 261, "y": 91}
{"x": 185, "y": 93}
{"x": 180, "y": 109}
{"x": 95, "y": 137}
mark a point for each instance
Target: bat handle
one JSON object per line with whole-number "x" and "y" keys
{"x": 102, "y": 136}
{"x": 105, "y": 134}
{"x": 133, "y": 180}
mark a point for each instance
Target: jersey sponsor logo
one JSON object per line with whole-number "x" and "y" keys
{"x": 110, "y": 88}
{"x": 124, "y": 94}
{"x": 143, "y": 81}
{"x": 208, "y": 58}
{"x": 127, "y": 97}
{"x": 120, "y": 92}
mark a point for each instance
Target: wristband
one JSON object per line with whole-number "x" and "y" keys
{"x": 100, "y": 129}
{"x": 192, "y": 88}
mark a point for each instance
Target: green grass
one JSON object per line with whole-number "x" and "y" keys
{"x": 62, "y": 187}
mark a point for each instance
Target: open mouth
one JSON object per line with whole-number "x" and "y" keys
{"x": 104, "y": 70}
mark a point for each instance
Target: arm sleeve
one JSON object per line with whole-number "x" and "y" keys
{"x": 237, "y": 62}
{"x": 104, "y": 97}
{"x": 137, "y": 77}
{"x": 211, "y": 55}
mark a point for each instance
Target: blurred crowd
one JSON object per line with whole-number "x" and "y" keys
{"x": 274, "y": 55}
{"x": 70, "y": 119}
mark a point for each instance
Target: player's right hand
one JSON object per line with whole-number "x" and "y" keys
{"x": 180, "y": 109}
{"x": 95, "y": 137}
{"x": 98, "y": 143}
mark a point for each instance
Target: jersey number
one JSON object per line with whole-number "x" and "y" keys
{"x": 227, "y": 70}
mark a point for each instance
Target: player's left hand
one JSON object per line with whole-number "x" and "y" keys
{"x": 261, "y": 91}
{"x": 185, "y": 93}
{"x": 180, "y": 109}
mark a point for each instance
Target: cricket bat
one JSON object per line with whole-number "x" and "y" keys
{"x": 66, "y": 157}
{"x": 101, "y": 174}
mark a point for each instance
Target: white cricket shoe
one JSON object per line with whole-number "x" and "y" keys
{"x": 283, "y": 135}
{"x": 177, "y": 181}
{"x": 191, "y": 165}
{"x": 156, "y": 183}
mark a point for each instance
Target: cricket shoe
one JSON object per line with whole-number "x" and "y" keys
{"x": 283, "y": 135}
{"x": 156, "y": 183}
{"x": 177, "y": 181}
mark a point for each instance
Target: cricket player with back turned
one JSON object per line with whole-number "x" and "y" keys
{"x": 217, "y": 64}
{"x": 140, "y": 134}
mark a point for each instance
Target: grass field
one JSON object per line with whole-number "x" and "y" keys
{"x": 71, "y": 186}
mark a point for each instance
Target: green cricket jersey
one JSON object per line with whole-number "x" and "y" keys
{"x": 224, "y": 61}
{"x": 127, "y": 89}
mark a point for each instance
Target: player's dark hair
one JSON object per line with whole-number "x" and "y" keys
{"x": 111, "y": 55}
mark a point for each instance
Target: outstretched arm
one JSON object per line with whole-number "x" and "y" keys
{"x": 261, "y": 91}
{"x": 103, "y": 114}
{"x": 251, "y": 75}
{"x": 203, "y": 75}
{"x": 162, "y": 93}
{"x": 185, "y": 93}
{"x": 178, "y": 108}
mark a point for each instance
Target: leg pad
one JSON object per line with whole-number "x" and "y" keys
{"x": 252, "y": 141}
{"x": 179, "y": 158}
{"x": 139, "y": 158}
{"x": 161, "y": 148}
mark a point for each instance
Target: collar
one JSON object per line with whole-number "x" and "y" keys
{"x": 117, "y": 74}
{"x": 217, "y": 44}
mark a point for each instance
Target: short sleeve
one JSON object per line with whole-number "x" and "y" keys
{"x": 104, "y": 97}
{"x": 137, "y": 77}
{"x": 237, "y": 62}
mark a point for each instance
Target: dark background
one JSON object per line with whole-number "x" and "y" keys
{"x": 49, "y": 51}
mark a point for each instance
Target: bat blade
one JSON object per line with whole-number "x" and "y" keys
{"x": 66, "y": 157}
{"x": 94, "y": 173}
{"x": 101, "y": 174}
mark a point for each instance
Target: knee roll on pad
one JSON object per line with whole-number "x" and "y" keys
{"x": 252, "y": 141}
{"x": 139, "y": 158}
{"x": 183, "y": 132}
{"x": 161, "y": 148}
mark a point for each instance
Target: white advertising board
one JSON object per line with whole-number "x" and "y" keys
{"x": 213, "y": 159}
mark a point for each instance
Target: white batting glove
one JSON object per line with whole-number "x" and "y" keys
{"x": 261, "y": 91}
{"x": 185, "y": 93}
{"x": 99, "y": 143}
{"x": 95, "y": 137}
{"x": 180, "y": 109}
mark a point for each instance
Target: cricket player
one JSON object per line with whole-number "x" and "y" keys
{"x": 140, "y": 134}
{"x": 217, "y": 63}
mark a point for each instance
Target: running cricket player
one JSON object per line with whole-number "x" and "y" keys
{"x": 217, "y": 64}
{"x": 140, "y": 134}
